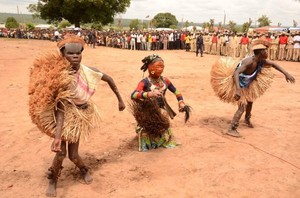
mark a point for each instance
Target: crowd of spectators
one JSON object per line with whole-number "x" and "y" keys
{"x": 283, "y": 46}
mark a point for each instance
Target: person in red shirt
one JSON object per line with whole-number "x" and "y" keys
{"x": 282, "y": 44}
{"x": 244, "y": 44}
{"x": 182, "y": 39}
{"x": 214, "y": 44}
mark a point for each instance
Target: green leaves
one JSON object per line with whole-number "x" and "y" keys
{"x": 79, "y": 11}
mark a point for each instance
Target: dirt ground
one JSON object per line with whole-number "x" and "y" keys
{"x": 265, "y": 162}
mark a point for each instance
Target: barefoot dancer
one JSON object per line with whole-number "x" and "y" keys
{"x": 250, "y": 80}
{"x": 60, "y": 89}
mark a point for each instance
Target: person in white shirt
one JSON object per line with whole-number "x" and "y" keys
{"x": 296, "y": 41}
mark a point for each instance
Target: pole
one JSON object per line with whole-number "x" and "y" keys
{"x": 224, "y": 19}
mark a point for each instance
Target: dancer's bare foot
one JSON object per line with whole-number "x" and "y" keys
{"x": 87, "y": 178}
{"x": 51, "y": 191}
{"x": 249, "y": 124}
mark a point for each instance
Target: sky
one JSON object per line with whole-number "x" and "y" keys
{"x": 198, "y": 11}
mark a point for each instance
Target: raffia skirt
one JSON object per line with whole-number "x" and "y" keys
{"x": 223, "y": 84}
{"x": 153, "y": 125}
{"x": 50, "y": 80}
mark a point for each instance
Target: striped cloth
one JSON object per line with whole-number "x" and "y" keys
{"x": 86, "y": 83}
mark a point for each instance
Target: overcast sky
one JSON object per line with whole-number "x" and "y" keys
{"x": 199, "y": 11}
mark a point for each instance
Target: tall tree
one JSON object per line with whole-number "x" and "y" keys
{"x": 232, "y": 26}
{"x": 264, "y": 21}
{"x": 11, "y": 22}
{"x": 220, "y": 26}
{"x": 187, "y": 23}
{"x": 79, "y": 11}
{"x": 211, "y": 25}
{"x": 205, "y": 26}
{"x": 164, "y": 20}
{"x": 134, "y": 24}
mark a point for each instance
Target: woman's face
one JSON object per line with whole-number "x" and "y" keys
{"x": 156, "y": 69}
{"x": 72, "y": 52}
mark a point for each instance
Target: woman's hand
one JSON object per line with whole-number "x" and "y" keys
{"x": 181, "y": 106}
{"x": 56, "y": 145}
{"x": 154, "y": 94}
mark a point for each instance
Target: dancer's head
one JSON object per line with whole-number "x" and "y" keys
{"x": 154, "y": 64}
{"x": 71, "y": 48}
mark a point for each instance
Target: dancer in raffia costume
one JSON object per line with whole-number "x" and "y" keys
{"x": 242, "y": 83}
{"x": 150, "y": 108}
{"x": 60, "y": 88}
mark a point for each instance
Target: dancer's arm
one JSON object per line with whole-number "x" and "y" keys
{"x": 114, "y": 88}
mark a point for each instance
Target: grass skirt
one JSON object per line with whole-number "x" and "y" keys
{"x": 50, "y": 80}
{"x": 223, "y": 84}
{"x": 153, "y": 125}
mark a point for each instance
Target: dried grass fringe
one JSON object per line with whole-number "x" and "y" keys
{"x": 50, "y": 78}
{"x": 149, "y": 116}
{"x": 223, "y": 84}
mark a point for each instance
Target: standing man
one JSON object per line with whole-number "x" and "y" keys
{"x": 199, "y": 44}
{"x": 283, "y": 39}
{"x": 244, "y": 45}
{"x": 296, "y": 54}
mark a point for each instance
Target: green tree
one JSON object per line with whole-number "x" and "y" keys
{"x": 30, "y": 26}
{"x": 134, "y": 24}
{"x": 245, "y": 27}
{"x": 205, "y": 25}
{"x": 173, "y": 27}
{"x": 211, "y": 25}
{"x": 220, "y": 26}
{"x": 264, "y": 21}
{"x": 64, "y": 24}
{"x": 232, "y": 26}
{"x": 96, "y": 26}
{"x": 79, "y": 11}
{"x": 164, "y": 20}
{"x": 11, "y": 22}
{"x": 187, "y": 24}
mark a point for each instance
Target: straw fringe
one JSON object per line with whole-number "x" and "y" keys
{"x": 223, "y": 84}
{"x": 149, "y": 116}
{"x": 50, "y": 78}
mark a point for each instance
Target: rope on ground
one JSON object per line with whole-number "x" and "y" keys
{"x": 253, "y": 146}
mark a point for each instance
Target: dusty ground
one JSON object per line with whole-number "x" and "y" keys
{"x": 264, "y": 163}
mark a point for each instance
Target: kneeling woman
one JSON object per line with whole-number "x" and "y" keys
{"x": 150, "y": 108}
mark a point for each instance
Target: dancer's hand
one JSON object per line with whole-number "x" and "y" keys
{"x": 121, "y": 105}
{"x": 56, "y": 145}
{"x": 289, "y": 78}
{"x": 237, "y": 94}
{"x": 181, "y": 106}
{"x": 155, "y": 93}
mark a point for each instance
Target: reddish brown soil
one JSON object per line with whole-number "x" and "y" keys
{"x": 264, "y": 163}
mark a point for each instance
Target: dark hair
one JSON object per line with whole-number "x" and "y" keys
{"x": 257, "y": 51}
{"x": 149, "y": 59}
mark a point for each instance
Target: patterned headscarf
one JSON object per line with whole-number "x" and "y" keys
{"x": 150, "y": 59}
